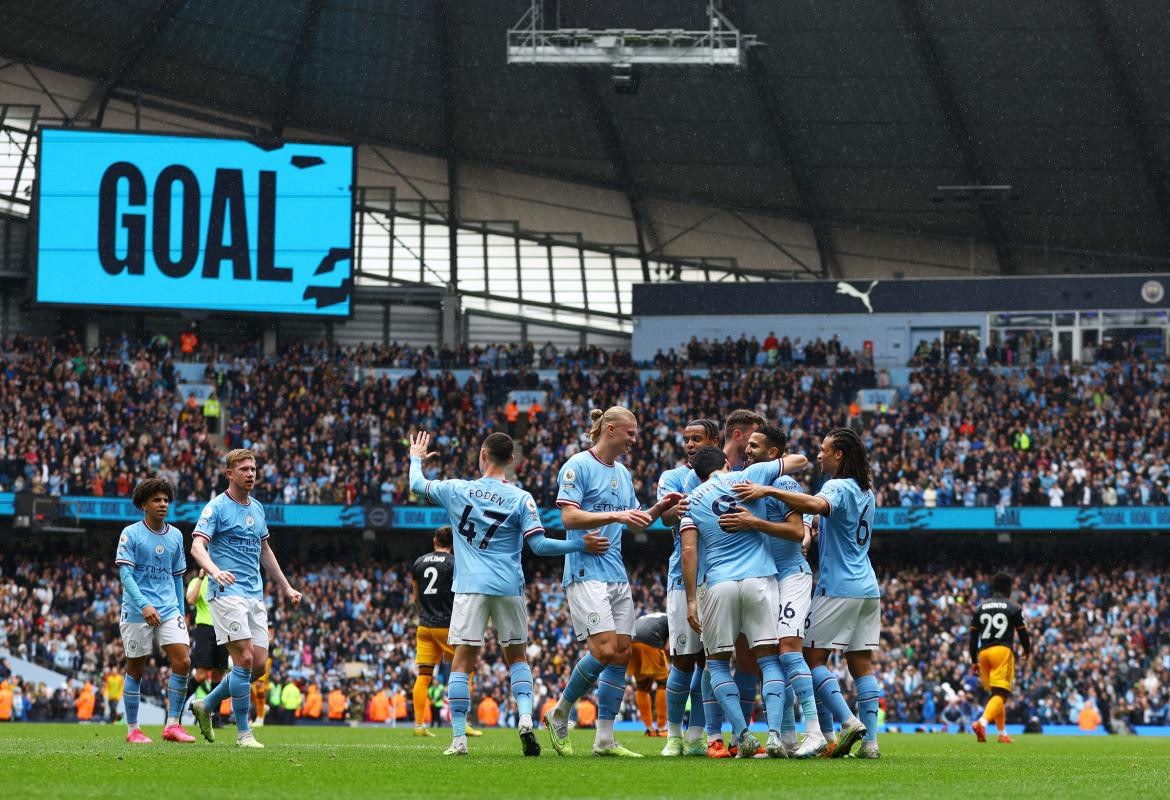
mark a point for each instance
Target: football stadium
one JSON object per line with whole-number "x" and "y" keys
{"x": 576, "y": 398}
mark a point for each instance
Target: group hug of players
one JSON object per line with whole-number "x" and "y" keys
{"x": 740, "y": 589}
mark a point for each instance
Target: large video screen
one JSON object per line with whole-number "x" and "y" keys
{"x": 154, "y": 221}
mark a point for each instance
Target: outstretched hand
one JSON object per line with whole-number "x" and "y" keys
{"x": 420, "y": 443}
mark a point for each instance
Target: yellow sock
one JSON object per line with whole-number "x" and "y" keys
{"x": 1001, "y": 718}
{"x": 644, "y": 711}
{"x": 421, "y": 701}
{"x": 994, "y": 709}
{"x": 660, "y": 706}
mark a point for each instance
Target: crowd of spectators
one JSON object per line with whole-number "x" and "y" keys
{"x": 1101, "y": 634}
{"x": 330, "y": 427}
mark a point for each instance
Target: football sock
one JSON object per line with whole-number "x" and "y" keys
{"x": 678, "y": 689}
{"x": 1001, "y": 720}
{"x": 712, "y": 711}
{"x": 521, "y": 680}
{"x": 644, "y": 709}
{"x": 421, "y": 698}
{"x": 611, "y": 685}
{"x": 773, "y": 691}
{"x": 800, "y": 678}
{"x": 459, "y": 700}
{"x": 747, "y": 683}
{"x": 241, "y": 690}
{"x": 994, "y": 707}
{"x": 217, "y": 695}
{"x": 868, "y": 695}
{"x": 660, "y": 706}
{"x": 583, "y": 678}
{"x": 829, "y": 692}
{"x": 788, "y": 723}
{"x": 131, "y": 697}
{"x": 727, "y": 695}
{"x": 176, "y": 696}
{"x": 698, "y": 716}
{"x": 825, "y": 718}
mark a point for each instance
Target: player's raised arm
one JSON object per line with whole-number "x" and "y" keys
{"x": 794, "y": 462}
{"x": 420, "y": 443}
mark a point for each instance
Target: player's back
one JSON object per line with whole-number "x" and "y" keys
{"x": 996, "y": 620}
{"x": 587, "y": 482}
{"x": 786, "y": 553}
{"x": 846, "y": 533}
{"x": 490, "y": 518}
{"x": 730, "y": 556}
{"x": 434, "y": 575}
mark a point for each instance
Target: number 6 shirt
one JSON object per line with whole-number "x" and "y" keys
{"x": 844, "y": 542}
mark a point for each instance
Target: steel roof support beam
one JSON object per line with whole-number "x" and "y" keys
{"x": 292, "y": 78}
{"x": 782, "y": 137}
{"x": 1132, "y": 109}
{"x": 603, "y": 119}
{"x": 139, "y": 45}
{"x": 929, "y": 53}
{"x": 451, "y": 147}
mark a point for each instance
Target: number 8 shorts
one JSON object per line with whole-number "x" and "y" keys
{"x": 138, "y": 638}
{"x": 844, "y": 623}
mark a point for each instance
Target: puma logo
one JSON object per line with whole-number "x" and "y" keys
{"x": 845, "y": 289}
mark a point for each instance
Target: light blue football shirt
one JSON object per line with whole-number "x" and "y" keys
{"x": 679, "y": 479}
{"x": 156, "y": 559}
{"x": 591, "y": 484}
{"x": 846, "y": 532}
{"x": 490, "y": 519}
{"x": 731, "y": 556}
{"x": 234, "y": 532}
{"x": 786, "y": 553}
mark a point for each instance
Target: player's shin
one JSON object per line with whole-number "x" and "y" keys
{"x": 747, "y": 684}
{"x": 712, "y": 711}
{"x": 459, "y": 700}
{"x": 422, "y": 683}
{"x": 828, "y": 691}
{"x": 611, "y": 685}
{"x": 868, "y": 697}
{"x": 825, "y": 719}
{"x": 241, "y": 692}
{"x": 773, "y": 690}
{"x": 800, "y": 678}
{"x": 583, "y": 678}
{"x": 678, "y": 686}
{"x": 521, "y": 682}
{"x": 788, "y": 722}
{"x": 176, "y": 697}
{"x": 726, "y": 694}
{"x": 131, "y": 696}
{"x": 221, "y": 692}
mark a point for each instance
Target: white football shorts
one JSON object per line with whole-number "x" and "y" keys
{"x": 795, "y": 601}
{"x": 237, "y": 618}
{"x": 749, "y": 606}
{"x": 684, "y": 640}
{"x": 844, "y": 623}
{"x": 139, "y": 639}
{"x": 597, "y": 607}
{"x": 470, "y": 614}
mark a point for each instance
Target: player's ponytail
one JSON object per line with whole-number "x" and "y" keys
{"x": 598, "y": 419}
{"x": 854, "y": 460}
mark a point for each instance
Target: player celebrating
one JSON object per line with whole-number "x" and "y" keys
{"x": 649, "y": 670}
{"x": 597, "y": 492}
{"x": 740, "y": 593}
{"x": 151, "y": 564}
{"x": 785, "y": 530}
{"x": 846, "y": 610}
{"x": 493, "y": 519}
{"x": 232, "y": 531}
{"x": 994, "y": 626}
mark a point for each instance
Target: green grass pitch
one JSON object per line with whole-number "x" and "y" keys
{"x": 74, "y": 761}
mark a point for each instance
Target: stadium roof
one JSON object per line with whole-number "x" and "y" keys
{"x": 852, "y": 113}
